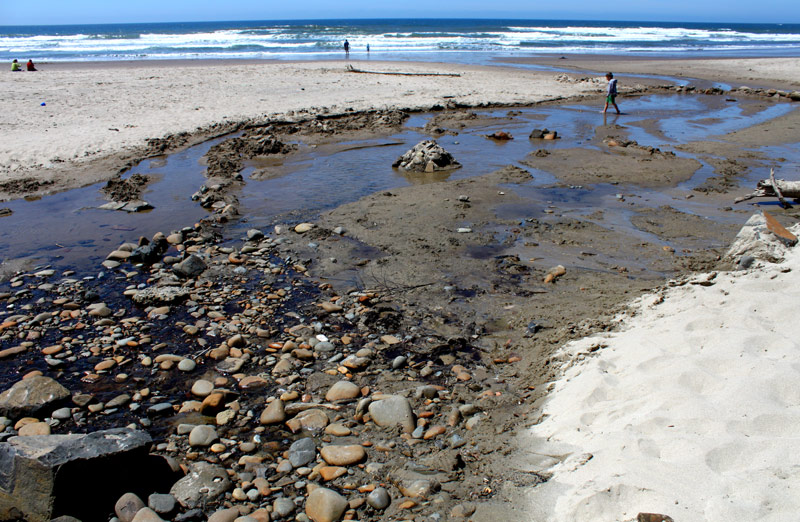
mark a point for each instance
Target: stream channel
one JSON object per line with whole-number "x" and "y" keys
{"x": 67, "y": 230}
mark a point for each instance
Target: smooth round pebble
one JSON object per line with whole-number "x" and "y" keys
{"x": 379, "y": 499}
{"x": 187, "y": 365}
{"x": 202, "y": 388}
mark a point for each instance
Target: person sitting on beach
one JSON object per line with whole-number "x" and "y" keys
{"x": 30, "y": 65}
{"x": 15, "y": 66}
{"x": 611, "y": 93}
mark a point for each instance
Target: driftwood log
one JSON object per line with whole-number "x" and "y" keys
{"x": 352, "y": 69}
{"x": 775, "y": 188}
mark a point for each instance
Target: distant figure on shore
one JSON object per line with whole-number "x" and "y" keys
{"x": 347, "y": 48}
{"x": 30, "y": 65}
{"x": 611, "y": 93}
{"x": 15, "y": 66}
{"x": 367, "y": 48}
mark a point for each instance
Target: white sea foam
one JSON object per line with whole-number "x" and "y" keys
{"x": 280, "y": 40}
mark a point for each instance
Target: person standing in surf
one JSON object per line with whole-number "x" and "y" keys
{"x": 611, "y": 93}
{"x": 347, "y": 49}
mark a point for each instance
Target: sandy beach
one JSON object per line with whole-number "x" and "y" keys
{"x": 691, "y": 410}
{"x": 565, "y": 351}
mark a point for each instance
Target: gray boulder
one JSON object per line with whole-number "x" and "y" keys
{"x": 426, "y": 156}
{"x": 47, "y": 476}
{"x": 30, "y": 396}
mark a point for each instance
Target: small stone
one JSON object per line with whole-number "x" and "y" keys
{"x": 303, "y": 227}
{"x": 202, "y": 388}
{"x": 325, "y": 505}
{"x": 34, "y": 428}
{"x": 462, "y": 511}
{"x": 224, "y": 515}
{"x": 302, "y": 451}
{"x": 338, "y": 430}
{"x": 62, "y": 414}
{"x": 554, "y": 273}
{"x": 274, "y": 413}
{"x": 391, "y": 411}
{"x": 224, "y": 417}
{"x": 329, "y": 473}
{"x": 433, "y": 432}
{"x": 653, "y": 517}
{"x": 379, "y": 499}
{"x": 330, "y": 307}
{"x": 100, "y": 311}
{"x": 473, "y": 421}
{"x": 422, "y": 488}
{"x": 203, "y": 435}
{"x": 343, "y": 455}
{"x": 283, "y": 507}
{"x": 191, "y": 329}
{"x": 187, "y": 365}
{"x": 342, "y": 390}
{"x": 162, "y": 503}
{"x": 127, "y": 506}
{"x": 311, "y": 421}
{"x": 147, "y": 515}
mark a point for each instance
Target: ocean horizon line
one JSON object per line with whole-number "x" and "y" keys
{"x": 430, "y": 18}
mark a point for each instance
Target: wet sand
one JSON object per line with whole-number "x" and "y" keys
{"x": 775, "y": 73}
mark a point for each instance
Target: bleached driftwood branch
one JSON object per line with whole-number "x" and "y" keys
{"x": 776, "y": 188}
{"x": 352, "y": 69}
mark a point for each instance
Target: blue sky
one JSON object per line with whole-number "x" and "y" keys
{"x": 31, "y": 12}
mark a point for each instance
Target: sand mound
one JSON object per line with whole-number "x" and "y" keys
{"x": 692, "y": 410}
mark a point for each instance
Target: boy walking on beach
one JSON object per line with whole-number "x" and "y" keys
{"x": 611, "y": 93}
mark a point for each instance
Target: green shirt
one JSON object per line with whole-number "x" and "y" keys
{"x": 15, "y": 67}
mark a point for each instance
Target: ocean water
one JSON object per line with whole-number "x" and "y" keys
{"x": 470, "y": 41}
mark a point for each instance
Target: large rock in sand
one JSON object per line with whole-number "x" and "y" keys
{"x": 426, "y": 156}
{"x": 47, "y": 476}
{"x": 755, "y": 243}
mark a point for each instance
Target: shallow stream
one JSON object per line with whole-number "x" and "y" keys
{"x": 67, "y": 230}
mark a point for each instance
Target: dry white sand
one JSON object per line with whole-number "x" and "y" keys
{"x": 692, "y": 410}
{"x": 93, "y": 111}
